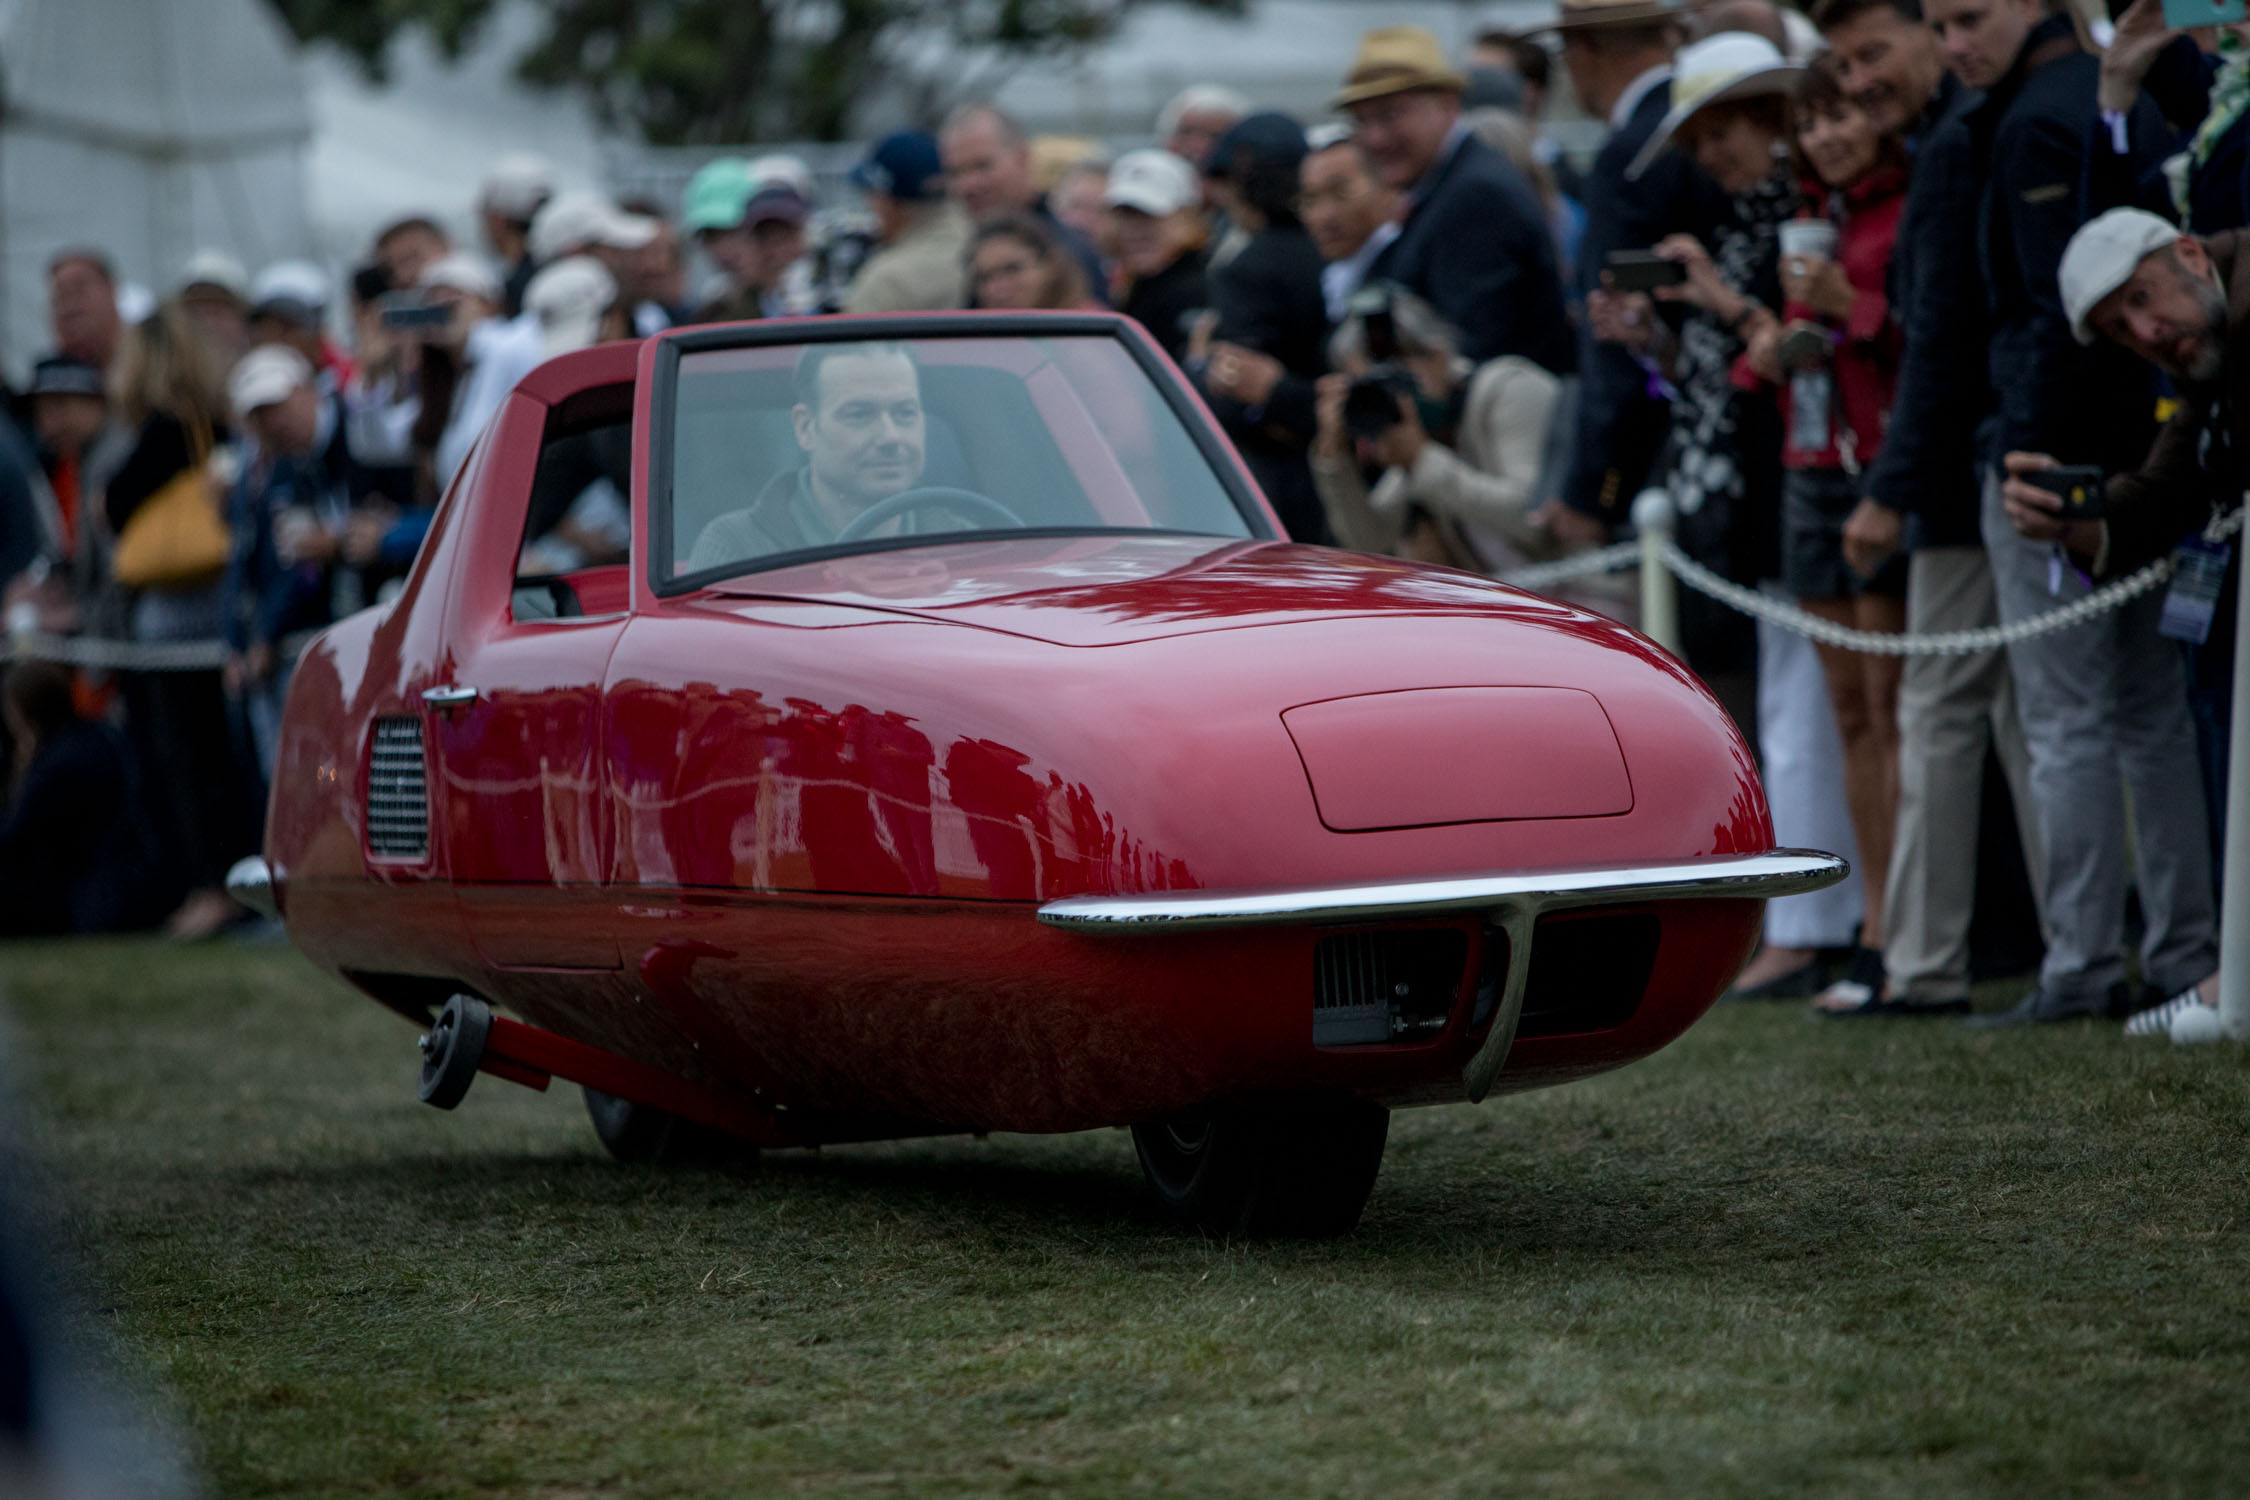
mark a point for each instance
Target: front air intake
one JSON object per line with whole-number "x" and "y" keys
{"x": 1374, "y": 987}
{"x": 398, "y": 799}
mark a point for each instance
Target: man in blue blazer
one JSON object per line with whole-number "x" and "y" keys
{"x": 1473, "y": 240}
{"x": 1619, "y": 56}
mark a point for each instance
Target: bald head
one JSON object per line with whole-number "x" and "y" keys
{"x": 987, "y": 163}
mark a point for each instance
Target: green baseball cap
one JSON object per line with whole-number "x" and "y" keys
{"x": 717, "y": 194}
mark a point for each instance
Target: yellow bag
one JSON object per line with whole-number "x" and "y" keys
{"x": 178, "y": 538}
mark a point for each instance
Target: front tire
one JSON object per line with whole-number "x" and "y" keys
{"x": 636, "y": 1133}
{"x": 1266, "y": 1168}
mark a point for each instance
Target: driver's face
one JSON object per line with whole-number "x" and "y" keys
{"x": 865, "y": 441}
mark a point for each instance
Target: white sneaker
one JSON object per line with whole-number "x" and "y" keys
{"x": 2157, "y": 1019}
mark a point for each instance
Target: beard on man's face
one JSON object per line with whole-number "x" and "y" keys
{"x": 2206, "y": 354}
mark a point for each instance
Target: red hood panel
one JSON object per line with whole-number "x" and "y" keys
{"x": 1111, "y": 590}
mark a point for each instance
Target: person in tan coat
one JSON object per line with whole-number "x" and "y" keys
{"x": 918, "y": 268}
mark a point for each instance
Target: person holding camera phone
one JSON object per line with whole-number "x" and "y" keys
{"x": 1722, "y": 466}
{"x": 1832, "y": 363}
{"x": 471, "y": 357}
{"x": 1457, "y": 447}
{"x": 2118, "y": 701}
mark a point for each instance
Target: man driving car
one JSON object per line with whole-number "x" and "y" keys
{"x": 859, "y": 420}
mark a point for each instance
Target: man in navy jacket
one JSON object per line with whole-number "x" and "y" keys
{"x": 1473, "y": 241}
{"x": 2107, "y": 700}
{"x": 1922, "y": 493}
{"x": 1619, "y": 55}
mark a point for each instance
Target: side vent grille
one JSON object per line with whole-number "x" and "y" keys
{"x": 1376, "y": 987}
{"x": 398, "y": 799}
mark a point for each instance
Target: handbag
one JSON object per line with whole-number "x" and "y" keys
{"x": 178, "y": 538}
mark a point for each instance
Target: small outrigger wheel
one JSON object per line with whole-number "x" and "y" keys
{"x": 452, "y": 1049}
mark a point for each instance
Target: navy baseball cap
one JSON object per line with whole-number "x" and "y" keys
{"x": 1266, "y": 136}
{"x": 903, "y": 165}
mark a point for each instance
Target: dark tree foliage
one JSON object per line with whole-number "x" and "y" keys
{"x": 707, "y": 71}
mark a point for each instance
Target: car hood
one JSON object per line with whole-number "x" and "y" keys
{"x": 1112, "y": 590}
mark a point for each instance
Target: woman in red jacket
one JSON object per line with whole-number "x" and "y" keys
{"x": 1833, "y": 361}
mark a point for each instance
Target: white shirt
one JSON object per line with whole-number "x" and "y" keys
{"x": 1340, "y": 278}
{"x": 499, "y": 353}
{"x": 1635, "y": 92}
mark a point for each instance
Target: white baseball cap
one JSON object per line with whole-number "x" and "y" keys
{"x": 2102, "y": 256}
{"x": 572, "y": 221}
{"x": 268, "y": 373}
{"x": 569, "y": 298}
{"x": 464, "y": 273}
{"x": 516, "y": 185}
{"x": 298, "y": 281}
{"x": 219, "y": 269}
{"x": 780, "y": 168}
{"x": 1153, "y": 181}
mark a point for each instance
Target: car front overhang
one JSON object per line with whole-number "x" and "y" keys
{"x": 1512, "y": 901}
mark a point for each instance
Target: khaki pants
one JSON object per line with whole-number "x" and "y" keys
{"x": 2104, "y": 704}
{"x": 1950, "y": 708}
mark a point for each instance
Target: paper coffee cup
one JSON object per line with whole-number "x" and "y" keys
{"x": 1814, "y": 239}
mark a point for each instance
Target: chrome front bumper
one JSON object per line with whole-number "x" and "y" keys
{"x": 250, "y": 882}
{"x": 1512, "y": 902}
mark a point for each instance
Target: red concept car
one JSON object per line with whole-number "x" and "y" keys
{"x": 862, "y": 728}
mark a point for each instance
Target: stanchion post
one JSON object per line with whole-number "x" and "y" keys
{"x": 1660, "y": 597}
{"x": 2234, "y": 906}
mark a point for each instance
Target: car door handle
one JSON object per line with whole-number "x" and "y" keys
{"x": 450, "y": 696}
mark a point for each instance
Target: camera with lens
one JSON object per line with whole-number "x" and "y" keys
{"x": 1371, "y": 406}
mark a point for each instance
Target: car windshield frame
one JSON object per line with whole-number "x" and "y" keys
{"x": 672, "y": 348}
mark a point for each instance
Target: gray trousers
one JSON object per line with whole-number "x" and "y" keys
{"x": 1950, "y": 709}
{"x": 2103, "y": 703}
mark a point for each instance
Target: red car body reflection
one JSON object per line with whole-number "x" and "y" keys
{"x": 808, "y": 853}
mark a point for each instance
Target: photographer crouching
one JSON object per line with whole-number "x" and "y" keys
{"x": 2182, "y": 304}
{"x": 1420, "y": 453}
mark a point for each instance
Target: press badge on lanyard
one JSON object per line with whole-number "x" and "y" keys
{"x": 2199, "y": 572}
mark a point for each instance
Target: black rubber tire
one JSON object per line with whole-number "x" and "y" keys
{"x": 1266, "y": 1168}
{"x": 637, "y": 1133}
{"x": 452, "y": 1049}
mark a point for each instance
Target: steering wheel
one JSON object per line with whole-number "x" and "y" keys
{"x": 929, "y": 497}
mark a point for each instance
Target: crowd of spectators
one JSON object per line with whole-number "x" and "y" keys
{"x": 1889, "y": 297}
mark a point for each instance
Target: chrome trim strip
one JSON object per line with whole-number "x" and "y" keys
{"x": 250, "y": 881}
{"x": 1778, "y": 872}
{"x": 1512, "y": 902}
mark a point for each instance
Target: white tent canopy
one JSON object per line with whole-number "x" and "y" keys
{"x": 148, "y": 129}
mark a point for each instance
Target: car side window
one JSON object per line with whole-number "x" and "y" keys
{"x": 578, "y": 527}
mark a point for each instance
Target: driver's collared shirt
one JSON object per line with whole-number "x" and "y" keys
{"x": 784, "y": 518}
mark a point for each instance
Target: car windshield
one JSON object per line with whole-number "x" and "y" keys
{"x": 786, "y": 450}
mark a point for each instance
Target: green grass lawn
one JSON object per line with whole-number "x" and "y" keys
{"x": 1783, "y": 1256}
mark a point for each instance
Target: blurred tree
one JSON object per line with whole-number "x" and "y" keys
{"x": 707, "y": 71}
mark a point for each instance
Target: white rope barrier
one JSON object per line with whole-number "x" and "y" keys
{"x": 1614, "y": 558}
{"x": 102, "y": 654}
{"x": 1827, "y": 632}
{"x": 97, "y": 653}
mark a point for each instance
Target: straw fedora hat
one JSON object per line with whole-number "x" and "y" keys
{"x": 1731, "y": 65}
{"x": 1586, "y": 15}
{"x": 1394, "y": 59}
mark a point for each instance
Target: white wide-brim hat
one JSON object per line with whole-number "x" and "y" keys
{"x": 1731, "y": 65}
